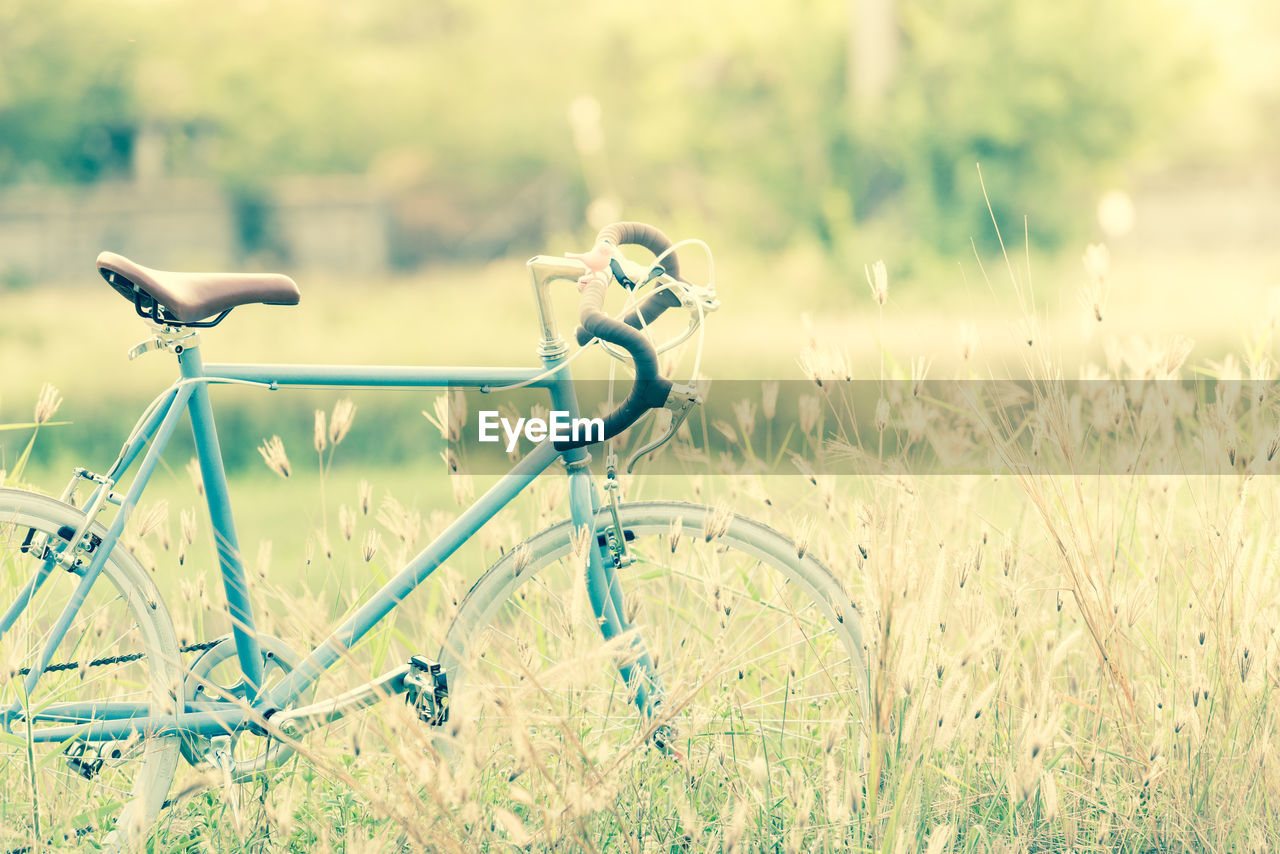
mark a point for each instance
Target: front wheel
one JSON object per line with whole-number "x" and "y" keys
{"x": 757, "y": 670}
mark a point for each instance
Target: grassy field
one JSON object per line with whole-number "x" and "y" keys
{"x": 1082, "y": 663}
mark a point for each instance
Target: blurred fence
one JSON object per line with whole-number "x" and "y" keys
{"x": 339, "y": 224}
{"x": 56, "y": 232}
{"x": 347, "y": 225}
{"x": 1210, "y": 210}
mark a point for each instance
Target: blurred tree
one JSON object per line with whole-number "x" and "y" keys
{"x": 872, "y": 53}
{"x": 748, "y": 116}
{"x": 66, "y": 105}
{"x": 1048, "y": 97}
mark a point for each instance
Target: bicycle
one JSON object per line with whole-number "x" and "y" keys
{"x": 722, "y": 636}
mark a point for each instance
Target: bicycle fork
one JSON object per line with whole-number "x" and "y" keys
{"x": 604, "y": 589}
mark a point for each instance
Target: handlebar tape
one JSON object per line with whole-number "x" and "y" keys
{"x": 649, "y": 390}
{"x": 651, "y": 238}
{"x": 641, "y": 234}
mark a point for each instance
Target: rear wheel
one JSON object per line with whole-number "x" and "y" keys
{"x": 756, "y": 648}
{"x": 120, "y": 648}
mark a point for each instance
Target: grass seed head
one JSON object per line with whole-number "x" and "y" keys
{"x": 439, "y": 418}
{"x": 517, "y": 834}
{"x": 47, "y": 403}
{"x": 825, "y": 364}
{"x": 344, "y": 415}
{"x": 464, "y": 489}
{"x": 737, "y": 826}
{"x": 187, "y": 523}
{"x": 197, "y": 478}
{"x": 155, "y": 516}
{"x": 744, "y": 412}
{"x": 320, "y": 434}
{"x": 878, "y": 281}
{"x": 1097, "y": 267}
{"x": 272, "y": 451}
{"x": 717, "y": 522}
{"x": 769, "y": 399}
{"x": 520, "y": 559}
{"x": 724, "y": 428}
{"x": 810, "y": 408}
{"x": 263, "y": 563}
{"x": 919, "y": 371}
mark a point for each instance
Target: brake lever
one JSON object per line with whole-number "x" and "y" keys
{"x": 681, "y": 401}
{"x": 631, "y": 275}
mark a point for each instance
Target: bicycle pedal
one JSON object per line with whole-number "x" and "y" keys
{"x": 427, "y": 690}
{"x": 665, "y": 739}
{"x": 84, "y": 760}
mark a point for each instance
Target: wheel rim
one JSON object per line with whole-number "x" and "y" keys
{"x": 759, "y": 674}
{"x": 56, "y": 792}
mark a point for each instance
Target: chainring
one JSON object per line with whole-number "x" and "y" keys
{"x": 216, "y": 675}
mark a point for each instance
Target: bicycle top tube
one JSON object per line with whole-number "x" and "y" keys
{"x": 376, "y": 376}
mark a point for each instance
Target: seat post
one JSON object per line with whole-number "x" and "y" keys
{"x": 230, "y": 559}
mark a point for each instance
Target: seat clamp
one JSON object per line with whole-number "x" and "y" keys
{"x": 175, "y": 340}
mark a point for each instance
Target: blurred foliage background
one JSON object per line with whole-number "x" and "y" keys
{"x": 809, "y": 120}
{"x": 414, "y": 153}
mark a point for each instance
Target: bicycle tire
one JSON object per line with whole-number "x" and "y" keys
{"x": 117, "y": 805}
{"x": 490, "y": 667}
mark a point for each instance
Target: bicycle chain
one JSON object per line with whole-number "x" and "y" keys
{"x": 118, "y": 659}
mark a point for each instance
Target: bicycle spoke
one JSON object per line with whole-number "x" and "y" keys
{"x": 749, "y": 666}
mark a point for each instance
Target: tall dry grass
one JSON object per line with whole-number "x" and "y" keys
{"x": 1058, "y": 661}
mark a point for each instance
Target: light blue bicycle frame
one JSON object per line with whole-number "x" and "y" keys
{"x": 108, "y": 721}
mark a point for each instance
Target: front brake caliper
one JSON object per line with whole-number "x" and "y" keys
{"x": 615, "y": 538}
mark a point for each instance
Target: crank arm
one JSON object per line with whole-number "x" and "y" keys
{"x": 302, "y": 720}
{"x": 681, "y": 401}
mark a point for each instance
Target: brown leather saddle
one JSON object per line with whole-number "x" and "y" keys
{"x": 188, "y": 299}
